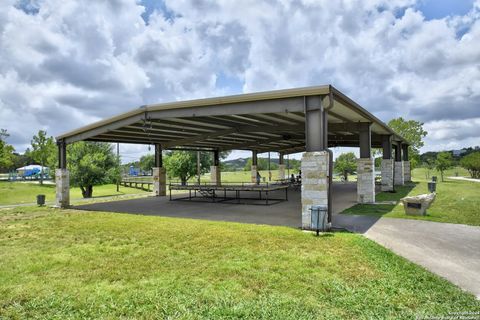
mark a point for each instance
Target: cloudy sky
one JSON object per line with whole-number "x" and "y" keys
{"x": 64, "y": 63}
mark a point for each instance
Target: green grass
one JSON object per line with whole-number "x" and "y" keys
{"x": 58, "y": 264}
{"x": 456, "y": 201}
{"x": 20, "y": 192}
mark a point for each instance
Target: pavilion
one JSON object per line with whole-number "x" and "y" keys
{"x": 308, "y": 120}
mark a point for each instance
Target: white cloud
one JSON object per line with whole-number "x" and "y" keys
{"x": 74, "y": 62}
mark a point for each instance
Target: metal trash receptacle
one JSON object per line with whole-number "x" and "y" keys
{"x": 432, "y": 187}
{"x": 319, "y": 217}
{"x": 41, "y": 199}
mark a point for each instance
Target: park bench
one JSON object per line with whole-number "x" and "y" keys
{"x": 418, "y": 205}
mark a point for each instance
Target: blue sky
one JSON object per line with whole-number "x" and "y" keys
{"x": 64, "y": 64}
{"x": 437, "y": 9}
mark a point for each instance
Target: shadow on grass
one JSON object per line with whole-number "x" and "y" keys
{"x": 382, "y": 209}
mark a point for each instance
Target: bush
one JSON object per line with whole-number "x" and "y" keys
{"x": 472, "y": 164}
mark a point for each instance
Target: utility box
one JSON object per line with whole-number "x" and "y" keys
{"x": 319, "y": 217}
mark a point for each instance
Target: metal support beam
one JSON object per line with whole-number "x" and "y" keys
{"x": 62, "y": 154}
{"x": 158, "y": 156}
{"x": 238, "y": 129}
{"x": 280, "y": 158}
{"x": 365, "y": 136}
{"x": 398, "y": 151}
{"x": 405, "y": 152}
{"x": 314, "y": 124}
{"x": 254, "y": 157}
{"x": 387, "y": 146}
{"x": 216, "y": 158}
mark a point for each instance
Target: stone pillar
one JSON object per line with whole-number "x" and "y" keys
{"x": 254, "y": 174}
{"x": 159, "y": 181}
{"x": 387, "y": 174}
{"x": 62, "y": 181}
{"x": 398, "y": 174}
{"x": 365, "y": 180}
{"x": 215, "y": 175}
{"x": 314, "y": 183}
{"x": 407, "y": 175}
{"x": 281, "y": 171}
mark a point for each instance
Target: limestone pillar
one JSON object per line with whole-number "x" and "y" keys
{"x": 159, "y": 181}
{"x": 281, "y": 171}
{"x": 314, "y": 183}
{"x": 407, "y": 175}
{"x": 399, "y": 177}
{"x": 254, "y": 174}
{"x": 215, "y": 175}
{"x": 365, "y": 180}
{"x": 387, "y": 174}
{"x": 62, "y": 181}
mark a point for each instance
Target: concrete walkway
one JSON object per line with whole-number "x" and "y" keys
{"x": 464, "y": 179}
{"x": 452, "y": 251}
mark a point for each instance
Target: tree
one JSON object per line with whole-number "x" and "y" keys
{"x": 147, "y": 162}
{"x": 44, "y": 151}
{"x": 429, "y": 165}
{"x": 444, "y": 161}
{"x": 183, "y": 164}
{"x": 471, "y": 162}
{"x": 345, "y": 164}
{"x": 262, "y": 164}
{"x": 90, "y": 164}
{"x": 6, "y": 151}
{"x": 414, "y": 133}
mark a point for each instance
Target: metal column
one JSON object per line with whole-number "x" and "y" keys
{"x": 365, "y": 140}
{"x": 405, "y": 152}
{"x": 62, "y": 154}
{"x": 314, "y": 124}
{"x": 158, "y": 156}
{"x": 387, "y": 147}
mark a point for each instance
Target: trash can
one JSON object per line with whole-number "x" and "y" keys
{"x": 319, "y": 216}
{"x": 41, "y": 199}
{"x": 432, "y": 187}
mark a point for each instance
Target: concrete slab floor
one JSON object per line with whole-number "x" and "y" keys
{"x": 286, "y": 213}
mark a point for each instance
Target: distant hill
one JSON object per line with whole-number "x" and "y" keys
{"x": 240, "y": 163}
{"x": 457, "y": 154}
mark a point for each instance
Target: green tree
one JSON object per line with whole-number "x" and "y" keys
{"x": 44, "y": 151}
{"x": 414, "y": 133}
{"x": 147, "y": 162}
{"x": 471, "y": 162}
{"x": 444, "y": 162}
{"x": 90, "y": 164}
{"x": 262, "y": 164}
{"x": 6, "y": 151}
{"x": 345, "y": 164}
{"x": 183, "y": 164}
{"x": 429, "y": 165}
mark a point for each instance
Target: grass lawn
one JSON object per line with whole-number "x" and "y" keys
{"x": 20, "y": 192}
{"x": 456, "y": 202}
{"x": 77, "y": 264}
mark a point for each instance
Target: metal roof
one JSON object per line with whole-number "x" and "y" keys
{"x": 263, "y": 121}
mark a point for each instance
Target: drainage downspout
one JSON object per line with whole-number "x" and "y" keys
{"x": 330, "y": 161}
